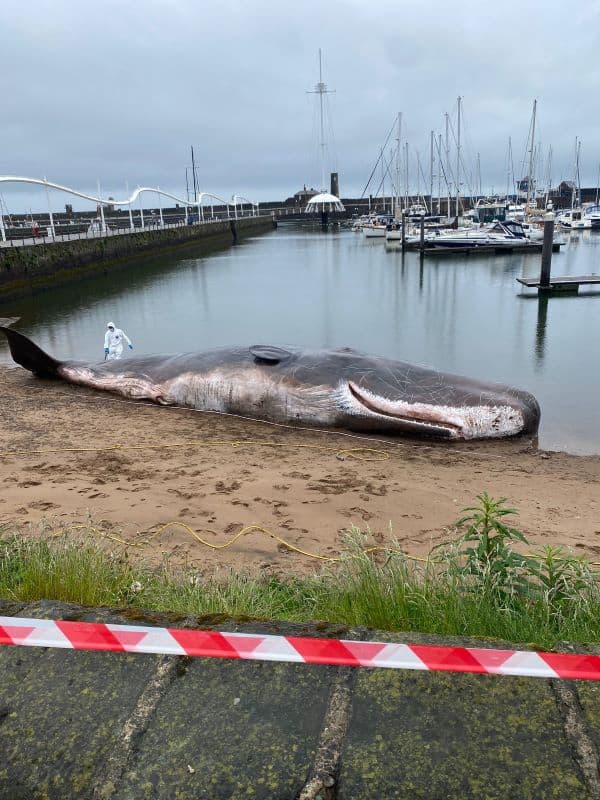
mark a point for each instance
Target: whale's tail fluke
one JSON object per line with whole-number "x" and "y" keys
{"x": 28, "y": 354}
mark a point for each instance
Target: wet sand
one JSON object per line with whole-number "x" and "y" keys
{"x": 132, "y": 467}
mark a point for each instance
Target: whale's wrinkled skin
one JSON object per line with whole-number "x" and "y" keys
{"x": 334, "y": 388}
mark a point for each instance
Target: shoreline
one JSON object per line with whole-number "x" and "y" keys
{"x": 133, "y": 467}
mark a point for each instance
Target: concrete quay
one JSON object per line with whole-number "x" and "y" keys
{"x": 32, "y": 268}
{"x": 118, "y": 726}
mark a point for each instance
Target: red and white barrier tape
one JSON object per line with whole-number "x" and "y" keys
{"x": 339, "y": 652}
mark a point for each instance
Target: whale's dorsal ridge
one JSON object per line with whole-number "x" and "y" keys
{"x": 269, "y": 354}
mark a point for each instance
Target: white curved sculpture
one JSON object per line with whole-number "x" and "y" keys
{"x": 324, "y": 202}
{"x": 105, "y": 202}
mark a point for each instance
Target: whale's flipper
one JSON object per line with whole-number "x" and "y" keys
{"x": 28, "y": 354}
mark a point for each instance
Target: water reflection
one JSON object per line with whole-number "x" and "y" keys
{"x": 301, "y": 286}
{"x": 540, "y": 330}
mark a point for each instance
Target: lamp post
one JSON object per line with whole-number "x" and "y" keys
{"x": 2, "y": 229}
{"x": 158, "y": 194}
{"x": 141, "y": 211}
{"x": 131, "y": 225}
{"x": 49, "y": 208}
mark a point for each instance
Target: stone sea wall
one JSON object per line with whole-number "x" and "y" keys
{"x": 34, "y": 268}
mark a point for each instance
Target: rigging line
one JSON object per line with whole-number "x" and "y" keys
{"x": 386, "y": 172}
{"x": 420, "y": 168}
{"x": 441, "y": 164}
{"x": 462, "y": 163}
{"x": 378, "y": 159}
{"x": 529, "y": 136}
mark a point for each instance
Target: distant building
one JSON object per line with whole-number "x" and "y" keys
{"x": 302, "y": 197}
{"x": 523, "y": 188}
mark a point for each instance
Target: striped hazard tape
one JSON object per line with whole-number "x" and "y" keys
{"x": 308, "y": 650}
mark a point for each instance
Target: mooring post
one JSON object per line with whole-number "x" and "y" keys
{"x": 422, "y": 236}
{"x": 547, "y": 251}
{"x": 404, "y": 219}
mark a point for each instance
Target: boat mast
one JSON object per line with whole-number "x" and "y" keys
{"x": 406, "y": 171}
{"x": 577, "y": 177}
{"x": 439, "y": 152}
{"x": 382, "y": 182}
{"x": 398, "y": 201}
{"x": 448, "y": 166}
{"x": 458, "y": 158}
{"x": 431, "y": 173}
{"x": 531, "y": 156}
{"x": 549, "y": 177}
{"x": 508, "y": 170}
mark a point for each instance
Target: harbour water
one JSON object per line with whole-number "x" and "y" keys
{"x": 301, "y": 286}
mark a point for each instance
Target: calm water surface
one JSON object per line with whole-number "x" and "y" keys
{"x": 298, "y": 285}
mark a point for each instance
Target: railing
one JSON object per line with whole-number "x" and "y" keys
{"x": 93, "y": 232}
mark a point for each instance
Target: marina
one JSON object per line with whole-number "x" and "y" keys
{"x": 300, "y": 286}
{"x": 299, "y": 337}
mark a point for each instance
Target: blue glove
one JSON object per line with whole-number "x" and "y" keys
{"x": 106, "y": 351}
{"x": 131, "y": 347}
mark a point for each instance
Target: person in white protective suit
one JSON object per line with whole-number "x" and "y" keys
{"x": 113, "y": 342}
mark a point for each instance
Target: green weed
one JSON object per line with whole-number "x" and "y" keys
{"x": 474, "y": 585}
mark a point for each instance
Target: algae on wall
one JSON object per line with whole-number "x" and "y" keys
{"x": 33, "y": 268}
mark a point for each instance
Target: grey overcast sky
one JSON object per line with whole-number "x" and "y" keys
{"x": 118, "y": 90}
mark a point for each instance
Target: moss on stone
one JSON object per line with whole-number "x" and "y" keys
{"x": 34, "y": 268}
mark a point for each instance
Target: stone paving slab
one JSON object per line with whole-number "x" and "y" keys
{"x": 117, "y": 726}
{"x": 436, "y": 735}
{"x": 246, "y": 729}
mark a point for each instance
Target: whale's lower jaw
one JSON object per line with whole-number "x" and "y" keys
{"x": 449, "y": 422}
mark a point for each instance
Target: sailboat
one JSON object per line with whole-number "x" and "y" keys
{"x": 575, "y": 218}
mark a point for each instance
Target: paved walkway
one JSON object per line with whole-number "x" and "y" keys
{"x": 46, "y": 237}
{"x": 117, "y": 726}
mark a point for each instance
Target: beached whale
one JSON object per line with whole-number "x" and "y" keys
{"x": 334, "y": 388}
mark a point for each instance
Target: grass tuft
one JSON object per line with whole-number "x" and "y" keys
{"x": 475, "y": 585}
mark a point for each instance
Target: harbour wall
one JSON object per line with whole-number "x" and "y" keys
{"x": 30, "y": 269}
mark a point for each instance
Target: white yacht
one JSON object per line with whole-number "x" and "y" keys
{"x": 499, "y": 234}
{"x": 376, "y": 227}
{"x": 575, "y": 219}
{"x": 593, "y": 214}
{"x": 393, "y": 231}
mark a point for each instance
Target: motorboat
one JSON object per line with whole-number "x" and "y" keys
{"x": 533, "y": 232}
{"x": 593, "y": 214}
{"x": 376, "y": 227}
{"x": 393, "y": 231}
{"x": 574, "y": 219}
{"x": 374, "y": 230}
{"x": 498, "y": 235}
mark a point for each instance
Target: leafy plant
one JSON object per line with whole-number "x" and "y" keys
{"x": 561, "y": 576}
{"x": 485, "y": 551}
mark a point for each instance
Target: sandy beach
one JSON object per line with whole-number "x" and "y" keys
{"x": 69, "y": 454}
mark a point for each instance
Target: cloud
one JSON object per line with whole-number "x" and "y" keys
{"x": 118, "y": 91}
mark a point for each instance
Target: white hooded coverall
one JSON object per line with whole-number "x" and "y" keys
{"x": 113, "y": 340}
